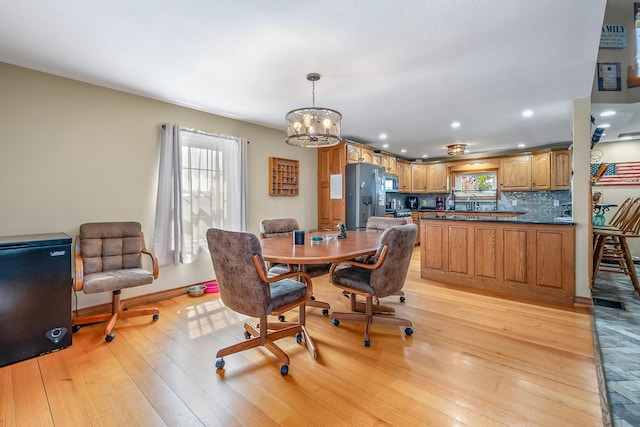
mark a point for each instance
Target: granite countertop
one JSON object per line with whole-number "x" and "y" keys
{"x": 527, "y": 218}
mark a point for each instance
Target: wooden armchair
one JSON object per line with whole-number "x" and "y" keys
{"x": 385, "y": 277}
{"x": 245, "y": 288}
{"x": 108, "y": 258}
{"x": 279, "y": 227}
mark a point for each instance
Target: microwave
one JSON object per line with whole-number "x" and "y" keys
{"x": 391, "y": 183}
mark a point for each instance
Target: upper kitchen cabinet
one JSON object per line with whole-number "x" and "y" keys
{"x": 541, "y": 171}
{"x": 561, "y": 170}
{"x": 354, "y": 153}
{"x": 404, "y": 176}
{"x": 378, "y": 159}
{"x": 437, "y": 178}
{"x": 390, "y": 164}
{"x": 418, "y": 177}
{"x": 515, "y": 173}
{"x": 367, "y": 155}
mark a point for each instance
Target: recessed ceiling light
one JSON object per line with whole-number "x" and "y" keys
{"x": 522, "y": 145}
{"x": 527, "y": 113}
{"x": 403, "y": 150}
{"x": 382, "y": 136}
{"x": 425, "y": 155}
{"x": 455, "y": 125}
{"x": 607, "y": 113}
{"x": 604, "y": 125}
{"x": 385, "y": 145}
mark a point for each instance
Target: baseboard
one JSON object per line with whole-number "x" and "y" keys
{"x": 139, "y": 300}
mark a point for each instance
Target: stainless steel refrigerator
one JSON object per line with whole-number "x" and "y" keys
{"x": 365, "y": 194}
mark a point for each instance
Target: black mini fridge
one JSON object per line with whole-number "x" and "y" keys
{"x": 35, "y": 295}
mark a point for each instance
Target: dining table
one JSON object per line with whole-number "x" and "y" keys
{"x": 330, "y": 249}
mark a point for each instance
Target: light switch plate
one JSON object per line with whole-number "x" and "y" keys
{"x": 556, "y": 203}
{"x": 514, "y": 202}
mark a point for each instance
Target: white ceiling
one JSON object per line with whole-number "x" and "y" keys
{"x": 407, "y": 68}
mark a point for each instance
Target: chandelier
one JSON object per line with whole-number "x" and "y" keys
{"x": 456, "y": 149}
{"x": 313, "y": 127}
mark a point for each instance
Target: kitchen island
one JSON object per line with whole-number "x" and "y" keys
{"x": 527, "y": 256}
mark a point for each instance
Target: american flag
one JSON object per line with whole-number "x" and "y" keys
{"x": 624, "y": 173}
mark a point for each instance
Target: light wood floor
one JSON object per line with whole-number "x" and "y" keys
{"x": 472, "y": 360}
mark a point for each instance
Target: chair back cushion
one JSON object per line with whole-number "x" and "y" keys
{"x": 390, "y": 276}
{"x": 109, "y": 246}
{"x": 380, "y": 223}
{"x": 278, "y": 227}
{"x": 240, "y": 286}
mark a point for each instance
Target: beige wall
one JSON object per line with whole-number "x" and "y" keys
{"x": 72, "y": 153}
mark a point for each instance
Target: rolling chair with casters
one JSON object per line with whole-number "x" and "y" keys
{"x": 379, "y": 224}
{"x": 385, "y": 277}
{"x": 279, "y": 227}
{"x": 245, "y": 288}
{"x": 108, "y": 258}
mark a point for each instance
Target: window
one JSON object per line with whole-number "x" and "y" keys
{"x": 480, "y": 183}
{"x": 208, "y": 172}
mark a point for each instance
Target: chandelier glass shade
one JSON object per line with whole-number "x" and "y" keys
{"x": 456, "y": 149}
{"x": 311, "y": 126}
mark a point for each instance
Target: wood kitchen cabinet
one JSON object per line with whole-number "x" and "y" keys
{"x": 561, "y": 170}
{"x": 531, "y": 261}
{"x": 418, "y": 177}
{"x": 404, "y": 176}
{"x": 390, "y": 164}
{"x": 354, "y": 153}
{"x": 437, "y": 179}
{"x": 541, "y": 171}
{"x": 515, "y": 173}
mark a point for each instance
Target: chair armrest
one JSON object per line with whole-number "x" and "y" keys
{"x": 297, "y": 274}
{"x": 154, "y": 259}
{"x": 79, "y": 274}
{"x": 379, "y": 261}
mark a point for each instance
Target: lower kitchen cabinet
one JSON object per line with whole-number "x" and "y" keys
{"x": 530, "y": 261}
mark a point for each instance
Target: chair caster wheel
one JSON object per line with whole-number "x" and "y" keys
{"x": 284, "y": 370}
{"x": 220, "y": 364}
{"x": 109, "y": 337}
{"x": 298, "y": 337}
{"x": 325, "y": 312}
{"x": 75, "y": 328}
{"x": 402, "y": 299}
{"x": 408, "y": 331}
{"x": 156, "y": 317}
{"x": 367, "y": 343}
{"x": 247, "y": 335}
{"x": 312, "y": 298}
{"x": 335, "y": 322}
{"x": 281, "y": 318}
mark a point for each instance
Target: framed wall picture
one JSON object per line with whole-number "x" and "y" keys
{"x": 609, "y": 76}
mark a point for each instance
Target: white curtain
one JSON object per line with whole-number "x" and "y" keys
{"x": 202, "y": 184}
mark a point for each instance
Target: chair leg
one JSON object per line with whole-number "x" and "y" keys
{"x": 118, "y": 311}
{"x": 369, "y": 316}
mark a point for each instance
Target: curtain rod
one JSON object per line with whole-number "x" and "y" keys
{"x": 201, "y": 132}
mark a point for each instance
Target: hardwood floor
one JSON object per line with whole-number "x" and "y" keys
{"x": 473, "y": 360}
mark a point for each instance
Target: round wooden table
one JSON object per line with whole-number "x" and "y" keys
{"x": 282, "y": 249}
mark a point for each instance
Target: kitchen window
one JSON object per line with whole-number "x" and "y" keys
{"x": 481, "y": 184}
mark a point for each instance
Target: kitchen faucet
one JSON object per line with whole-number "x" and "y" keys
{"x": 472, "y": 205}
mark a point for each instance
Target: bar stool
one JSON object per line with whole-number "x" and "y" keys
{"x": 611, "y": 245}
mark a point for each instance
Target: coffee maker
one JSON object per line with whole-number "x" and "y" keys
{"x": 439, "y": 203}
{"x": 412, "y": 202}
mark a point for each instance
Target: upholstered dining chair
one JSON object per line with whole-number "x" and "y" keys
{"x": 245, "y": 288}
{"x": 379, "y": 224}
{"x": 278, "y": 227}
{"x": 108, "y": 258}
{"x": 384, "y": 277}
